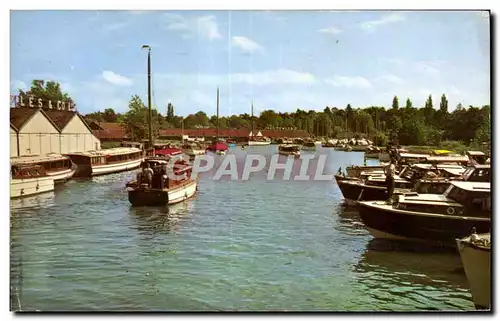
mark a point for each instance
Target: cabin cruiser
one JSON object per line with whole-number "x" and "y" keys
{"x": 431, "y": 218}
{"x": 289, "y": 150}
{"x": 309, "y": 146}
{"x": 106, "y": 161}
{"x": 374, "y": 187}
{"x": 32, "y": 175}
{"x": 193, "y": 149}
{"x": 475, "y": 253}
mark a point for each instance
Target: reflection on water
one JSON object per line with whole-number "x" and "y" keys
{"x": 162, "y": 219}
{"x": 396, "y": 275}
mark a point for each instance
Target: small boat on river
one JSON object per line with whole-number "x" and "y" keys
{"x": 475, "y": 253}
{"x": 162, "y": 189}
{"x": 289, "y": 150}
{"x": 431, "y": 218}
{"x": 309, "y": 145}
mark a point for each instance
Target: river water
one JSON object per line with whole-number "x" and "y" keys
{"x": 256, "y": 245}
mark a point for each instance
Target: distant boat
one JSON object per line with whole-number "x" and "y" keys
{"x": 289, "y": 150}
{"x": 257, "y": 139}
{"x": 218, "y": 146}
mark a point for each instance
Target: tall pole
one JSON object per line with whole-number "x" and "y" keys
{"x": 217, "y": 115}
{"x": 253, "y": 125}
{"x": 149, "y": 98}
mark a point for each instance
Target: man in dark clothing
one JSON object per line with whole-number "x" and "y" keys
{"x": 390, "y": 171}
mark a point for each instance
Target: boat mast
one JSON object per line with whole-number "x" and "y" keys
{"x": 253, "y": 127}
{"x": 217, "y": 115}
{"x": 149, "y": 95}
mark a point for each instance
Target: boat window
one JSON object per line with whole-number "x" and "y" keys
{"x": 456, "y": 194}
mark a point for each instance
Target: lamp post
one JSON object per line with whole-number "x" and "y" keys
{"x": 149, "y": 95}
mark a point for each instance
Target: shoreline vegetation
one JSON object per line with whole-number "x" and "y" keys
{"x": 419, "y": 129}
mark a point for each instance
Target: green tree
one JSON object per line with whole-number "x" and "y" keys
{"x": 170, "y": 112}
{"x": 46, "y": 90}
{"x": 395, "y": 103}
{"x": 408, "y": 103}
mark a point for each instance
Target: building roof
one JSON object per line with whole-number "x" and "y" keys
{"x": 60, "y": 117}
{"x": 108, "y": 130}
{"x": 20, "y": 116}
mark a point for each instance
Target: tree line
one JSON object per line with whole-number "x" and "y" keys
{"x": 406, "y": 124}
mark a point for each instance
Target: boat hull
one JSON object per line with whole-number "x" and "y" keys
{"x": 31, "y": 186}
{"x": 155, "y": 197}
{"x": 351, "y": 190}
{"x": 258, "y": 143}
{"x": 390, "y": 223}
{"x": 85, "y": 170}
{"x": 477, "y": 266}
{"x": 62, "y": 176}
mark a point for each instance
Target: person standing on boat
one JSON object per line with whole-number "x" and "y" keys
{"x": 390, "y": 171}
{"x": 147, "y": 174}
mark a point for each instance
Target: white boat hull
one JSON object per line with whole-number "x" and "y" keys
{"x": 182, "y": 194}
{"x": 30, "y": 186}
{"x": 258, "y": 143}
{"x": 113, "y": 168}
{"x": 62, "y": 176}
{"x": 477, "y": 266}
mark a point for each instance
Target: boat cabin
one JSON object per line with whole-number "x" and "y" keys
{"x": 410, "y": 158}
{"x": 161, "y": 166}
{"x": 477, "y": 157}
{"x": 289, "y": 148}
{"x": 461, "y": 198}
{"x": 460, "y": 160}
{"x": 477, "y": 173}
{"x": 39, "y": 166}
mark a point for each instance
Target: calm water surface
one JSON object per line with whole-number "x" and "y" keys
{"x": 238, "y": 245}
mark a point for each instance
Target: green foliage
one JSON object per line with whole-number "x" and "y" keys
{"x": 50, "y": 90}
{"x": 408, "y": 103}
{"x": 395, "y": 103}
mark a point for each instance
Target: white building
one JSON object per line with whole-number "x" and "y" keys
{"x": 35, "y": 131}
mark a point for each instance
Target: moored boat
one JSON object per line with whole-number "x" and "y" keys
{"x": 289, "y": 150}
{"x": 38, "y": 174}
{"x": 162, "y": 190}
{"x": 309, "y": 146}
{"x": 193, "y": 149}
{"x": 372, "y": 152}
{"x": 475, "y": 253}
{"x": 431, "y": 218}
{"x": 106, "y": 161}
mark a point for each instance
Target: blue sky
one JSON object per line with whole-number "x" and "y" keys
{"x": 282, "y": 60}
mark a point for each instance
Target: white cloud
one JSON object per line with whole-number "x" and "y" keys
{"x": 331, "y": 30}
{"x": 349, "y": 82}
{"x": 116, "y": 79}
{"x": 389, "y": 78}
{"x": 371, "y": 25}
{"x": 246, "y": 44}
{"x": 205, "y": 26}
